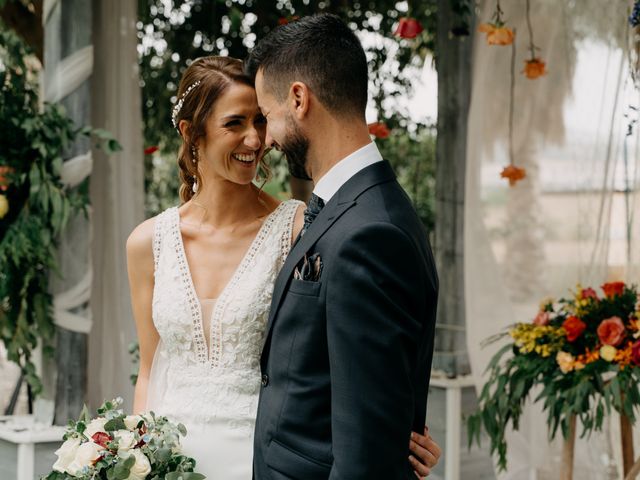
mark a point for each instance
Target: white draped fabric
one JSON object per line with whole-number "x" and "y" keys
{"x": 570, "y": 220}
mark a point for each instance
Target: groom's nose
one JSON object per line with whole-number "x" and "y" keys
{"x": 269, "y": 141}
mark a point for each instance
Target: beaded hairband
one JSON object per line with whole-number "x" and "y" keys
{"x": 178, "y": 105}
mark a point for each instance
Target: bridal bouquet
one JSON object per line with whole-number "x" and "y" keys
{"x": 584, "y": 353}
{"x": 115, "y": 446}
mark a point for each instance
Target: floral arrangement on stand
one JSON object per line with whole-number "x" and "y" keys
{"x": 115, "y": 446}
{"x": 584, "y": 353}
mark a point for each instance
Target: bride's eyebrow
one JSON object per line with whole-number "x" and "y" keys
{"x": 233, "y": 117}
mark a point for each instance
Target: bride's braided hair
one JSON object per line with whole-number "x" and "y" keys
{"x": 201, "y": 85}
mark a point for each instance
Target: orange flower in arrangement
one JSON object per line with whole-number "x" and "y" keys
{"x": 588, "y": 356}
{"x": 613, "y": 289}
{"x": 513, "y": 174}
{"x": 534, "y": 68}
{"x": 611, "y": 331}
{"x": 497, "y": 34}
{"x": 4, "y": 181}
{"x": 379, "y": 130}
{"x": 408, "y": 28}
{"x": 624, "y": 356}
{"x": 573, "y": 327}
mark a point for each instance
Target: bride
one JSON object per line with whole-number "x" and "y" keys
{"x": 201, "y": 276}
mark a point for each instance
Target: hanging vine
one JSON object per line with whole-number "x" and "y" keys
{"x": 35, "y": 205}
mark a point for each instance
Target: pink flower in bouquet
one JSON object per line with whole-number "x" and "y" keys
{"x": 574, "y": 328}
{"x": 611, "y": 331}
{"x": 542, "y": 319}
{"x": 589, "y": 293}
{"x": 613, "y": 289}
{"x": 635, "y": 353}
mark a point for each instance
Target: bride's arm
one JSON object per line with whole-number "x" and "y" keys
{"x": 140, "y": 267}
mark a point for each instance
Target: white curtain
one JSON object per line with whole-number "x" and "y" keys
{"x": 117, "y": 196}
{"x": 569, "y": 221}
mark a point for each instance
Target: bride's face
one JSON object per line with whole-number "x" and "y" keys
{"x": 234, "y": 140}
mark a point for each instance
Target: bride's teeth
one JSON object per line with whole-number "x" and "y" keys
{"x": 244, "y": 158}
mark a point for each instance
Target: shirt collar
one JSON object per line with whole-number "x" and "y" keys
{"x": 346, "y": 168}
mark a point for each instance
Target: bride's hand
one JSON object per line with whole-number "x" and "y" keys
{"x": 427, "y": 450}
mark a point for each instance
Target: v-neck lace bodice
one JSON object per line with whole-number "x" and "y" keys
{"x": 219, "y": 375}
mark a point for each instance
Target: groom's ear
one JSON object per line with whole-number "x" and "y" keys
{"x": 299, "y": 99}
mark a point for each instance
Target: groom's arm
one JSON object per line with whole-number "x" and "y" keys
{"x": 373, "y": 333}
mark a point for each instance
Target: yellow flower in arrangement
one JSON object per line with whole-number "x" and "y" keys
{"x": 543, "y": 340}
{"x": 608, "y": 353}
{"x": 4, "y": 206}
{"x": 566, "y": 362}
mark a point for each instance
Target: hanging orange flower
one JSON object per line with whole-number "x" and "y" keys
{"x": 497, "y": 34}
{"x": 513, "y": 174}
{"x": 534, "y": 68}
{"x": 408, "y": 28}
{"x": 379, "y": 130}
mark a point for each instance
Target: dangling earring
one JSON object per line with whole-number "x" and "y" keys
{"x": 194, "y": 188}
{"x": 194, "y": 154}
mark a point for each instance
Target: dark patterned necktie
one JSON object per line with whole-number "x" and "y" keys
{"x": 311, "y": 212}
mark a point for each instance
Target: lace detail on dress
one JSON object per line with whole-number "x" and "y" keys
{"x": 192, "y": 298}
{"x": 225, "y": 386}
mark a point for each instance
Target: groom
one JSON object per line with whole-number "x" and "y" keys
{"x": 348, "y": 348}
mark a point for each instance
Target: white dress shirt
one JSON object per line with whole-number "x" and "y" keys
{"x": 346, "y": 168}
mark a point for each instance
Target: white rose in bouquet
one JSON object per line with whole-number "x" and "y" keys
{"x": 66, "y": 453}
{"x": 94, "y": 426}
{"x": 86, "y": 455}
{"x": 141, "y": 468}
{"x": 131, "y": 421}
{"x": 126, "y": 440}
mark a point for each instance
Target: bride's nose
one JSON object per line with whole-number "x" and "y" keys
{"x": 252, "y": 139}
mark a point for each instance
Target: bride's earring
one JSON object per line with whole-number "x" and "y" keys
{"x": 194, "y": 154}
{"x": 195, "y": 185}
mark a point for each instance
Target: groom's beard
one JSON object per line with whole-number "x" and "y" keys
{"x": 295, "y": 147}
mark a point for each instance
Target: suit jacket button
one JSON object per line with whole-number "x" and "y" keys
{"x": 265, "y": 380}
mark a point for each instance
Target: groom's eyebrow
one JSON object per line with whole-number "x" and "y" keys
{"x": 234, "y": 117}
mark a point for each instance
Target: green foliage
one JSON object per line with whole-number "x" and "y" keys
{"x": 172, "y": 36}
{"x": 33, "y": 142}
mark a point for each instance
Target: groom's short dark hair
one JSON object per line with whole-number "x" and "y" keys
{"x": 321, "y": 51}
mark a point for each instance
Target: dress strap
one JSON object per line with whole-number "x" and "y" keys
{"x": 288, "y": 219}
{"x": 160, "y": 227}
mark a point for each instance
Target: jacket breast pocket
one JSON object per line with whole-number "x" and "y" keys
{"x": 305, "y": 287}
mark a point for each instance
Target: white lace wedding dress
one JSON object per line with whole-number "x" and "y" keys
{"x": 211, "y": 385}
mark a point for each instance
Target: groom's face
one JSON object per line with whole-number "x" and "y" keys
{"x": 283, "y": 131}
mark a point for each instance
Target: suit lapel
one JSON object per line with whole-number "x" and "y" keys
{"x": 342, "y": 201}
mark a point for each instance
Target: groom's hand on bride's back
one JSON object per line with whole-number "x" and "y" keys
{"x": 427, "y": 452}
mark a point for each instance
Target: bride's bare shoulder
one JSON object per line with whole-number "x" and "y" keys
{"x": 140, "y": 242}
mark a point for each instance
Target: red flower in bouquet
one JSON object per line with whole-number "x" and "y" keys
{"x": 408, "y": 28}
{"x": 611, "y": 331}
{"x": 150, "y": 150}
{"x": 379, "y": 130}
{"x": 613, "y": 289}
{"x": 588, "y": 293}
{"x": 635, "y": 353}
{"x": 574, "y": 328}
{"x": 101, "y": 438}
